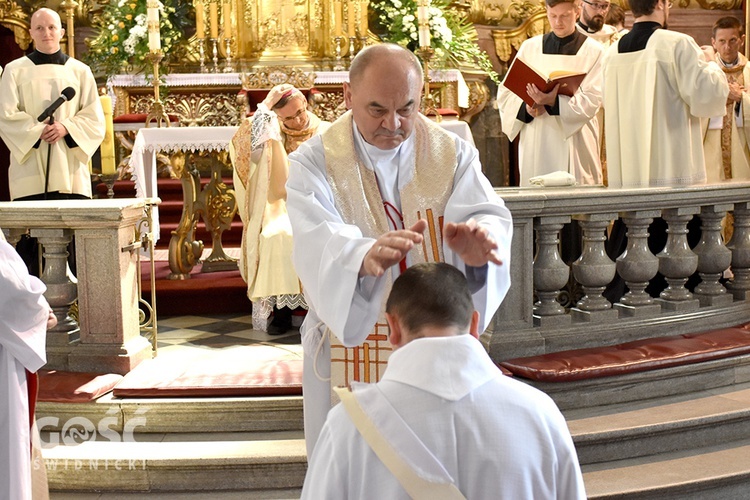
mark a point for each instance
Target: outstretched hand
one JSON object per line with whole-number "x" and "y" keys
{"x": 390, "y": 248}
{"x": 472, "y": 243}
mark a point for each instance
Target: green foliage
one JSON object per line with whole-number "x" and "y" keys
{"x": 121, "y": 44}
{"x": 453, "y": 38}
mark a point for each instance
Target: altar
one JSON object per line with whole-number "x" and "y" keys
{"x": 215, "y": 203}
{"x": 223, "y": 99}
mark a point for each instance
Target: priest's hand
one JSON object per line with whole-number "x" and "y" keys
{"x": 53, "y": 133}
{"x": 709, "y": 54}
{"x": 735, "y": 92}
{"x": 390, "y": 248}
{"x": 472, "y": 243}
{"x": 51, "y": 320}
{"x": 540, "y": 98}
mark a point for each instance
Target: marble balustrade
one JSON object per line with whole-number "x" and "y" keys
{"x": 532, "y": 321}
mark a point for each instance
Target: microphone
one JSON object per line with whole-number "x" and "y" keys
{"x": 67, "y": 94}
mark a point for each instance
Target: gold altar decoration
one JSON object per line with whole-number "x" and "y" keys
{"x": 13, "y": 17}
{"x": 69, "y": 6}
{"x": 507, "y": 40}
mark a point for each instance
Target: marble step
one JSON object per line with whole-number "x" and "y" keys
{"x": 650, "y": 384}
{"x": 174, "y": 415}
{"x": 720, "y": 472}
{"x": 673, "y": 423}
{"x": 275, "y": 494}
{"x": 179, "y": 463}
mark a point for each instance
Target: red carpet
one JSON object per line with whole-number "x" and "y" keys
{"x": 71, "y": 387}
{"x": 236, "y": 371}
{"x": 204, "y": 293}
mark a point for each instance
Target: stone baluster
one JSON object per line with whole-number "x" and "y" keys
{"x": 13, "y": 235}
{"x": 550, "y": 272}
{"x": 713, "y": 257}
{"x": 61, "y": 293}
{"x": 594, "y": 270}
{"x": 739, "y": 285}
{"x": 637, "y": 265}
{"x": 677, "y": 262}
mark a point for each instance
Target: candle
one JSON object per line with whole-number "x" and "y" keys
{"x": 337, "y": 16}
{"x": 351, "y": 19}
{"x": 152, "y": 21}
{"x": 200, "y": 22}
{"x": 226, "y": 12}
{"x": 108, "y": 144}
{"x": 363, "y": 21}
{"x": 213, "y": 18}
{"x": 423, "y": 19}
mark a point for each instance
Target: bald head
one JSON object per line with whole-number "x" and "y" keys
{"x": 46, "y": 30}
{"x": 387, "y": 55}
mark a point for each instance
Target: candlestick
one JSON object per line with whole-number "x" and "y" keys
{"x": 152, "y": 22}
{"x": 352, "y": 48}
{"x": 202, "y": 55}
{"x": 157, "y": 113}
{"x": 339, "y": 64}
{"x": 226, "y": 13}
{"x": 200, "y": 20}
{"x": 215, "y": 49}
{"x": 108, "y": 144}
{"x": 228, "y": 66}
{"x": 428, "y": 103}
{"x": 213, "y": 19}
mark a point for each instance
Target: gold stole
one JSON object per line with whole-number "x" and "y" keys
{"x": 734, "y": 74}
{"x": 358, "y": 200}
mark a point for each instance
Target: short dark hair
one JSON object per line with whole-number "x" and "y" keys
{"x": 552, "y": 3}
{"x": 431, "y": 294}
{"x": 642, "y": 7}
{"x": 727, "y": 22}
{"x": 615, "y": 15}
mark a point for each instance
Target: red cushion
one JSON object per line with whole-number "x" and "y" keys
{"x": 139, "y": 118}
{"x": 73, "y": 387}
{"x": 631, "y": 357}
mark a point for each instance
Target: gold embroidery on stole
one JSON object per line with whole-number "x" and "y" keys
{"x": 358, "y": 200}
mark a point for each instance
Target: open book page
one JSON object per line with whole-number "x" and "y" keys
{"x": 521, "y": 73}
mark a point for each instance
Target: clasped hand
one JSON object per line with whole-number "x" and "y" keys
{"x": 53, "y": 133}
{"x": 540, "y": 99}
{"x": 471, "y": 242}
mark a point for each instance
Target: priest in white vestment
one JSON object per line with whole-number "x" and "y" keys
{"x": 24, "y": 317}
{"x": 726, "y": 141}
{"x": 657, "y": 87}
{"x": 259, "y": 152}
{"x": 559, "y": 133}
{"x": 28, "y": 86}
{"x": 592, "y": 22}
{"x": 459, "y": 427}
{"x": 382, "y": 189}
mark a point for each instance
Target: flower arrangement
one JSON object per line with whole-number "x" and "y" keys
{"x": 121, "y": 44}
{"x": 453, "y": 38}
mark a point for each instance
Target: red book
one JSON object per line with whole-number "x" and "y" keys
{"x": 522, "y": 73}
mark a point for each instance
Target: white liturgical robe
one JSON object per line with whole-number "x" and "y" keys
{"x": 495, "y": 437}
{"x": 567, "y": 142}
{"x": 654, "y": 99}
{"x": 328, "y": 252}
{"x": 26, "y": 90}
{"x": 23, "y": 326}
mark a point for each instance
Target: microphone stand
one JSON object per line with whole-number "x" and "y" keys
{"x": 49, "y": 153}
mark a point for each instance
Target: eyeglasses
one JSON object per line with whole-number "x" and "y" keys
{"x": 296, "y": 115}
{"x": 597, "y": 5}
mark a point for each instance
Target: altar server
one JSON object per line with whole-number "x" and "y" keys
{"x": 558, "y": 133}
{"x": 24, "y": 318}
{"x": 28, "y": 86}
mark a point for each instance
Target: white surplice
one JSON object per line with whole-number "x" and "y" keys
{"x": 654, "y": 99}
{"x": 23, "y": 326}
{"x": 495, "y": 437}
{"x": 328, "y": 253}
{"x": 26, "y": 90}
{"x": 568, "y": 142}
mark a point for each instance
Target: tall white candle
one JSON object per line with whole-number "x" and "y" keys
{"x": 152, "y": 22}
{"x": 423, "y": 20}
